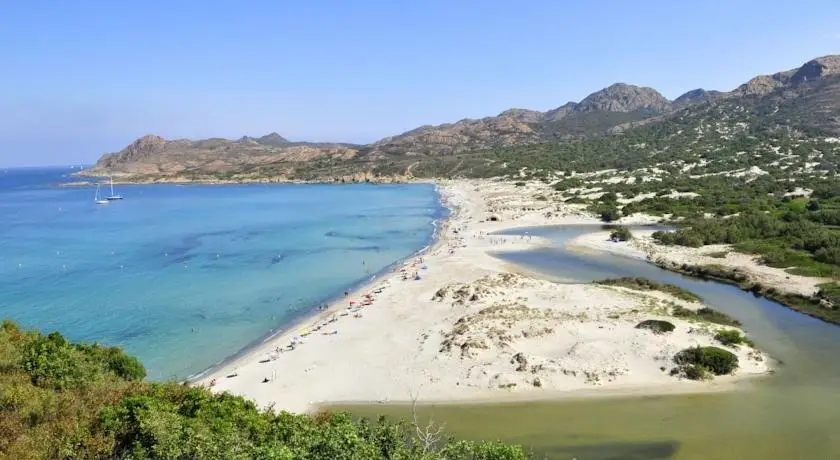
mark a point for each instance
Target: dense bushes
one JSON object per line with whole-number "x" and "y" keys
{"x": 53, "y": 362}
{"x": 731, "y": 337}
{"x": 62, "y": 400}
{"x": 695, "y": 362}
{"x": 172, "y": 421}
{"x": 609, "y": 213}
{"x": 789, "y": 240}
{"x": 656, "y": 326}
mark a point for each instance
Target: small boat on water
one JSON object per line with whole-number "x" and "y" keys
{"x": 97, "y": 199}
{"x": 113, "y": 195}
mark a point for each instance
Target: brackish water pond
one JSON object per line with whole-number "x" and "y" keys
{"x": 793, "y": 414}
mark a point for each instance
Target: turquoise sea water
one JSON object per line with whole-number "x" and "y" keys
{"x": 185, "y": 276}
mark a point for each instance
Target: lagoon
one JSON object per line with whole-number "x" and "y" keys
{"x": 792, "y": 414}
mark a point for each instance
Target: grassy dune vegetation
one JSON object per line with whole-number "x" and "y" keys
{"x": 60, "y": 400}
{"x": 644, "y": 284}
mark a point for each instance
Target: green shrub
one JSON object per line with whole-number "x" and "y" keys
{"x": 609, "y": 214}
{"x": 713, "y": 359}
{"x": 730, "y": 337}
{"x": 706, "y": 314}
{"x": 644, "y": 284}
{"x": 609, "y": 197}
{"x": 51, "y": 362}
{"x": 655, "y": 325}
{"x": 576, "y": 200}
{"x": 695, "y": 372}
{"x": 719, "y": 361}
{"x": 115, "y": 360}
{"x": 463, "y": 450}
{"x": 621, "y": 234}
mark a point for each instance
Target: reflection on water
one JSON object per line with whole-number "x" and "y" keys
{"x": 617, "y": 451}
{"x": 792, "y": 414}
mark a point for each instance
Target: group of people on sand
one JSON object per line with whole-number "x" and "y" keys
{"x": 455, "y": 243}
{"x": 353, "y": 308}
{"x": 405, "y": 269}
{"x": 498, "y": 240}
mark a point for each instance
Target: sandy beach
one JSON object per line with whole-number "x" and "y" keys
{"x": 457, "y": 324}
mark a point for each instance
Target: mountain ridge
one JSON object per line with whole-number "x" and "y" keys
{"x": 813, "y": 88}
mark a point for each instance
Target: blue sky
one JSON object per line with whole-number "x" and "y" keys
{"x": 85, "y": 77}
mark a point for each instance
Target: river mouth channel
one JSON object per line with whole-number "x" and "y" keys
{"x": 793, "y": 414}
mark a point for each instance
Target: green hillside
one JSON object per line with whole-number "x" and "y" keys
{"x": 60, "y": 400}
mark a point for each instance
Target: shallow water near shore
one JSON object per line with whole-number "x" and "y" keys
{"x": 793, "y": 414}
{"x": 183, "y": 276}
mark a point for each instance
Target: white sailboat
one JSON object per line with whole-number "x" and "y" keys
{"x": 113, "y": 195}
{"x": 96, "y": 198}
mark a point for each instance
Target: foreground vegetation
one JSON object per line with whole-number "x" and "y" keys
{"x": 64, "y": 400}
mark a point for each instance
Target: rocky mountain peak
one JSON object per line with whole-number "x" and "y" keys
{"x": 621, "y": 97}
{"x": 522, "y": 115}
{"x": 817, "y": 68}
{"x": 272, "y": 139}
{"x": 761, "y": 85}
{"x": 698, "y": 93}
{"x": 559, "y": 112}
{"x": 696, "y": 96}
{"x": 814, "y": 69}
{"x": 144, "y": 146}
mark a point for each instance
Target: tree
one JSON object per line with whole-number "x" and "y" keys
{"x": 610, "y": 214}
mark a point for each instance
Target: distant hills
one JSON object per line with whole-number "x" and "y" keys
{"x": 806, "y": 98}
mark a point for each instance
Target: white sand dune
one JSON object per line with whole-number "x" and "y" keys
{"x": 472, "y": 328}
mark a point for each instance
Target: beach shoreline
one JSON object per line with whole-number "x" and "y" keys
{"x": 403, "y": 345}
{"x": 335, "y": 302}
